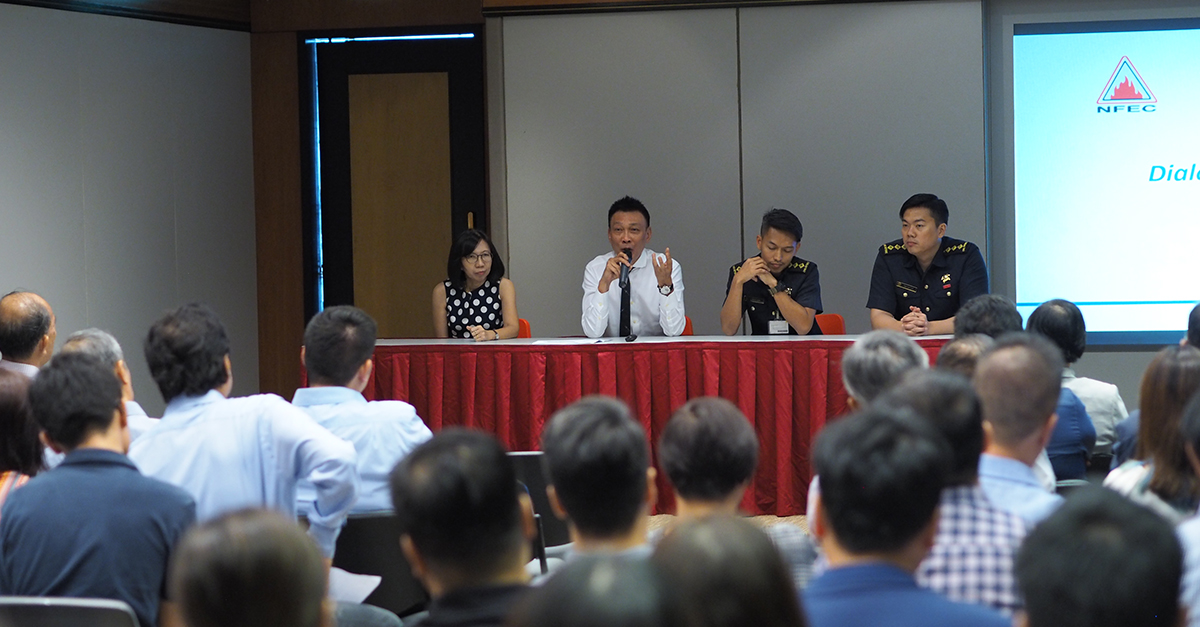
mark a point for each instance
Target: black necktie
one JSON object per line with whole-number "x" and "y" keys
{"x": 626, "y": 331}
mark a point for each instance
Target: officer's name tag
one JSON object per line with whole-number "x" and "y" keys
{"x": 778, "y": 327}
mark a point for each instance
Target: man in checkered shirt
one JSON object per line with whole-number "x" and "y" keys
{"x": 977, "y": 542}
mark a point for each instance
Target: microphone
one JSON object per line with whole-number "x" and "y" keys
{"x": 623, "y": 282}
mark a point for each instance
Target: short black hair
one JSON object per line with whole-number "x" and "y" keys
{"x": 1193, "y": 330}
{"x": 962, "y": 353}
{"x": 20, "y": 448}
{"x": 783, "y": 221}
{"x": 1101, "y": 561}
{"x": 987, "y": 314}
{"x": 629, "y": 203}
{"x": 248, "y": 568}
{"x": 186, "y": 351}
{"x": 465, "y": 245}
{"x": 731, "y": 573}
{"x": 882, "y": 472}
{"x": 455, "y": 496}
{"x": 20, "y": 333}
{"x": 1018, "y": 381}
{"x": 1062, "y": 323}
{"x": 595, "y": 455}
{"x": 935, "y": 205}
{"x": 337, "y": 342}
{"x": 708, "y": 449}
{"x": 603, "y": 591}
{"x": 951, "y": 405}
{"x": 73, "y": 397}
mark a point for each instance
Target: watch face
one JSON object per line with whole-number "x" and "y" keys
{"x": 665, "y": 290}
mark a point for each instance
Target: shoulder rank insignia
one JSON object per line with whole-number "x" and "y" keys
{"x": 955, "y": 249}
{"x": 894, "y": 248}
{"x": 797, "y": 265}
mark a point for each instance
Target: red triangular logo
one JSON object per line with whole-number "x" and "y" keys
{"x": 1126, "y": 85}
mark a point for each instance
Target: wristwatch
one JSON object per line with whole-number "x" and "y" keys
{"x": 775, "y": 290}
{"x": 666, "y": 290}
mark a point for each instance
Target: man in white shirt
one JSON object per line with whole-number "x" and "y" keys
{"x": 338, "y": 344}
{"x": 27, "y": 332}
{"x": 655, "y": 282}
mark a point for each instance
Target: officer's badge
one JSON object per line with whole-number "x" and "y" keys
{"x": 946, "y": 278}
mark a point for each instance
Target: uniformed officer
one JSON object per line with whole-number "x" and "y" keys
{"x": 779, "y": 292}
{"x": 920, "y": 280}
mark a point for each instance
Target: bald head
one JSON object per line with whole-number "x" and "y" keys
{"x": 1018, "y": 381}
{"x": 27, "y": 330}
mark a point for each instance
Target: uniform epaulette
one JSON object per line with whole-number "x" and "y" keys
{"x": 955, "y": 249}
{"x": 802, "y": 266}
{"x": 893, "y": 247}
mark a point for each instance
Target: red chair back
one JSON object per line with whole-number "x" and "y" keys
{"x": 831, "y": 324}
{"x": 523, "y": 329}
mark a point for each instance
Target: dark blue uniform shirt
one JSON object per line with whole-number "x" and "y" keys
{"x": 956, "y": 275}
{"x": 759, "y": 305}
{"x": 93, "y": 527}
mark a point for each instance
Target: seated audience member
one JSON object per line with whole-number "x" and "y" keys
{"x": 1018, "y": 381}
{"x": 599, "y": 478}
{"x": 250, "y": 568}
{"x": 465, "y": 528}
{"x": 1100, "y": 561}
{"x": 1071, "y": 443}
{"x": 94, "y": 526}
{"x": 475, "y": 301}
{"x": 1161, "y": 478}
{"x": 877, "y": 361}
{"x": 27, "y": 333}
{"x": 234, "y": 453}
{"x": 779, "y": 292}
{"x": 604, "y": 591}
{"x": 1062, "y": 322}
{"x": 882, "y": 473}
{"x": 652, "y": 301}
{"x": 709, "y": 452}
{"x": 730, "y": 572}
{"x": 870, "y": 367}
{"x": 972, "y": 556}
{"x": 21, "y": 454}
{"x": 920, "y": 280}
{"x": 961, "y": 354}
{"x": 1189, "y": 530}
{"x": 1125, "y": 444}
{"x": 990, "y": 314}
{"x": 103, "y": 346}
{"x": 338, "y": 344}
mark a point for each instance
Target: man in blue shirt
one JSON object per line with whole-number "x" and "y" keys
{"x": 338, "y": 345}
{"x": 93, "y": 526}
{"x": 1018, "y": 380}
{"x": 882, "y": 473}
{"x": 233, "y": 453}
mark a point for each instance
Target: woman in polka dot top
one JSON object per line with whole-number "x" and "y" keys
{"x": 476, "y": 301}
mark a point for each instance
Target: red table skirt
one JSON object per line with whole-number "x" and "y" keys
{"x": 788, "y": 389}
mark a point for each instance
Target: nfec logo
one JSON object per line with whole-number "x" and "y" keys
{"x": 1126, "y": 92}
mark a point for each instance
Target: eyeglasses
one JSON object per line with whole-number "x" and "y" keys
{"x": 474, "y": 258}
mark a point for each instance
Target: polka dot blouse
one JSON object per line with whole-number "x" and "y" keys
{"x": 480, "y": 307}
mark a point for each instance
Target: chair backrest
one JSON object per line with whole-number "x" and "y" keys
{"x": 831, "y": 324}
{"x": 1066, "y": 486}
{"x": 523, "y": 329}
{"x": 528, "y": 466}
{"x": 687, "y": 325}
{"x": 64, "y": 612}
{"x": 370, "y": 545}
